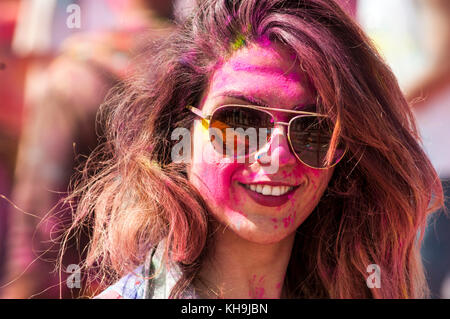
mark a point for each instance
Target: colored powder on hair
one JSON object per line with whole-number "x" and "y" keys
{"x": 239, "y": 42}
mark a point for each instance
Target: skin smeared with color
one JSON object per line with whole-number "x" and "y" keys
{"x": 252, "y": 233}
{"x": 256, "y": 287}
{"x": 279, "y": 84}
{"x": 367, "y": 110}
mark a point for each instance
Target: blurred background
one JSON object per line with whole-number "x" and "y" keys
{"x": 59, "y": 58}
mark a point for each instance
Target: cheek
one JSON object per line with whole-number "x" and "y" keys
{"x": 213, "y": 180}
{"x": 317, "y": 183}
{"x": 211, "y": 174}
{"x": 301, "y": 173}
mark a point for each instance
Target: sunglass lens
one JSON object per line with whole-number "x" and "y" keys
{"x": 310, "y": 137}
{"x": 240, "y": 124}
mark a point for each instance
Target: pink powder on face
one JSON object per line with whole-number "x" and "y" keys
{"x": 284, "y": 80}
{"x": 275, "y": 221}
{"x": 294, "y": 76}
{"x": 290, "y": 220}
{"x": 278, "y": 87}
{"x": 221, "y": 188}
{"x": 316, "y": 172}
{"x": 216, "y": 178}
{"x": 293, "y": 56}
{"x": 287, "y": 221}
{"x": 287, "y": 82}
{"x": 246, "y": 67}
{"x": 264, "y": 41}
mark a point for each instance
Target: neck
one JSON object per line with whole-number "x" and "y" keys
{"x": 241, "y": 269}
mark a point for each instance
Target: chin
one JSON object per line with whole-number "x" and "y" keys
{"x": 261, "y": 235}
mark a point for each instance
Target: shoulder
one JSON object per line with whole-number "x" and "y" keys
{"x": 131, "y": 286}
{"x": 152, "y": 280}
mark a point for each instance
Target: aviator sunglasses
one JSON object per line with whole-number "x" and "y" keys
{"x": 308, "y": 134}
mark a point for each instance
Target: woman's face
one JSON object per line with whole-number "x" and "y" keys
{"x": 270, "y": 74}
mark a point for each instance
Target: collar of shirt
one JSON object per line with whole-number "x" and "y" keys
{"x": 152, "y": 280}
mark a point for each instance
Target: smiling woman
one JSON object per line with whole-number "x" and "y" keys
{"x": 351, "y": 187}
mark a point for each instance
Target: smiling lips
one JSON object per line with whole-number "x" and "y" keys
{"x": 269, "y": 195}
{"x": 269, "y": 189}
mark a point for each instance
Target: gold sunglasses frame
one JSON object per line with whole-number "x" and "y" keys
{"x": 206, "y": 120}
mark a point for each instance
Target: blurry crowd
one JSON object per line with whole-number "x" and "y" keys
{"x": 59, "y": 59}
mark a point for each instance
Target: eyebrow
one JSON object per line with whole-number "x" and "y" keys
{"x": 261, "y": 102}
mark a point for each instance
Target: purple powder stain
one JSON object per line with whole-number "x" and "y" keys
{"x": 256, "y": 290}
{"x": 274, "y": 220}
{"x": 315, "y": 172}
{"x": 264, "y": 41}
{"x": 293, "y": 76}
{"x": 293, "y": 56}
{"x": 287, "y": 221}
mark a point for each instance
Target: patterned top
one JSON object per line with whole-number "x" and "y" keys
{"x": 152, "y": 280}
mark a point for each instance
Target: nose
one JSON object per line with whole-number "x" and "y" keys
{"x": 277, "y": 149}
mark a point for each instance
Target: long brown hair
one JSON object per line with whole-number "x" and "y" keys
{"x": 374, "y": 210}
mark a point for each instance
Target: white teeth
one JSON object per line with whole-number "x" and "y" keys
{"x": 259, "y": 188}
{"x": 276, "y": 191}
{"x": 268, "y": 189}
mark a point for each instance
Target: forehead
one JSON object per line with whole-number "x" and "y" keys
{"x": 265, "y": 72}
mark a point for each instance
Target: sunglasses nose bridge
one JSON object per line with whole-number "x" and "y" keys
{"x": 278, "y": 145}
{"x": 283, "y": 126}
